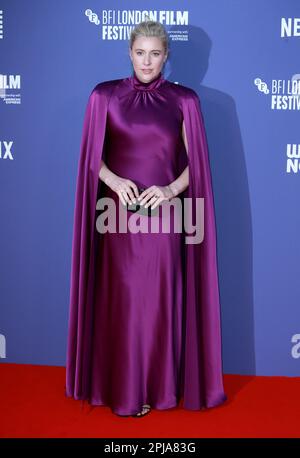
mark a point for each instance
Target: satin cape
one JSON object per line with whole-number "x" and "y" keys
{"x": 202, "y": 368}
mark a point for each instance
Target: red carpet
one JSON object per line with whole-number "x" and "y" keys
{"x": 33, "y": 404}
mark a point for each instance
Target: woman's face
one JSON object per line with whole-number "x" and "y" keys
{"x": 147, "y": 56}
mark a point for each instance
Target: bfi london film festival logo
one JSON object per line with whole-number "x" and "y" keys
{"x": 10, "y": 86}
{"x": 117, "y": 24}
{"x": 285, "y": 94}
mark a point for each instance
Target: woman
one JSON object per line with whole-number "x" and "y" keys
{"x": 144, "y": 327}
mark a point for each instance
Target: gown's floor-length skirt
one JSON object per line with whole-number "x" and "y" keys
{"x": 138, "y": 320}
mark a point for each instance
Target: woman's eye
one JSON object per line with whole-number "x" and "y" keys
{"x": 156, "y": 54}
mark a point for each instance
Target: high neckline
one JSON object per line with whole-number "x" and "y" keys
{"x": 146, "y": 86}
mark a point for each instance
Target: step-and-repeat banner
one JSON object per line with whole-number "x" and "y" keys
{"x": 242, "y": 58}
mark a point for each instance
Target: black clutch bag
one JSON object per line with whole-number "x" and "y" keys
{"x": 141, "y": 209}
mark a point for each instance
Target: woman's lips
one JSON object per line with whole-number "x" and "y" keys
{"x": 147, "y": 71}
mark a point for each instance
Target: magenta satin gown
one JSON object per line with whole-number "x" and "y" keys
{"x": 144, "y": 320}
{"x": 137, "y": 333}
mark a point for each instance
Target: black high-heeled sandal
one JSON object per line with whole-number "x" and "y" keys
{"x": 146, "y": 408}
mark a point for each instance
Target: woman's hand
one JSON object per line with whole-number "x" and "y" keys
{"x": 155, "y": 195}
{"x": 123, "y": 187}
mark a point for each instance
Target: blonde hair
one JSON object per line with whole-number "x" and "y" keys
{"x": 149, "y": 28}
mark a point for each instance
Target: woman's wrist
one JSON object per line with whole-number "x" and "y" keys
{"x": 174, "y": 190}
{"x": 106, "y": 175}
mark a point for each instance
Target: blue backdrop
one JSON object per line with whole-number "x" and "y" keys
{"x": 242, "y": 58}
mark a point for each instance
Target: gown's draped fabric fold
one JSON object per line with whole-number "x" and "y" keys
{"x": 144, "y": 319}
